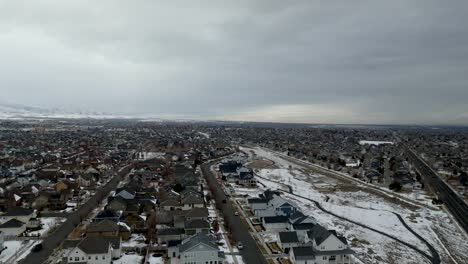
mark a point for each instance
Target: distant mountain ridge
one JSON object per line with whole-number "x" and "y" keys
{"x": 11, "y": 111}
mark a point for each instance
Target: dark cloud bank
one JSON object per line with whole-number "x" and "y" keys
{"x": 290, "y": 61}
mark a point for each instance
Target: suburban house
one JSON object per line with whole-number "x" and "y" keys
{"x": 329, "y": 247}
{"x": 301, "y": 224}
{"x": 196, "y": 226}
{"x": 247, "y": 179}
{"x": 168, "y": 234}
{"x": 190, "y": 192}
{"x": 196, "y": 213}
{"x": 103, "y": 228}
{"x": 92, "y": 250}
{"x": 20, "y": 213}
{"x": 288, "y": 240}
{"x": 13, "y": 227}
{"x": 281, "y": 206}
{"x": 302, "y": 255}
{"x": 125, "y": 193}
{"x": 271, "y": 204}
{"x": 275, "y": 223}
{"x": 116, "y": 203}
{"x": 199, "y": 249}
{"x": 107, "y": 214}
{"x": 257, "y": 204}
{"x": 170, "y": 205}
{"x": 190, "y": 202}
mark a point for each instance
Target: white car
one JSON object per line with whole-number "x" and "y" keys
{"x": 236, "y": 213}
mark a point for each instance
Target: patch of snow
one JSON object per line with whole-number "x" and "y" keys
{"x": 129, "y": 259}
{"x": 155, "y": 260}
{"x": 204, "y": 134}
{"x": 47, "y": 223}
{"x": 373, "y": 142}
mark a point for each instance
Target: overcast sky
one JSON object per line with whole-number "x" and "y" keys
{"x": 289, "y": 61}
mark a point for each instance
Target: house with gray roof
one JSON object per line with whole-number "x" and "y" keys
{"x": 20, "y": 213}
{"x": 92, "y": 250}
{"x": 329, "y": 247}
{"x": 168, "y": 234}
{"x": 302, "y": 255}
{"x": 288, "y": 240}
{"x": 199, "y": 248}
{"x": 13, "y": 227}
{"x": 197, "y": 226}
{"x": 272, "y": 223}
{"x": 192, "y": 201}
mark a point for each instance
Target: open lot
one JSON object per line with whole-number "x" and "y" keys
{"x": 366, "y": 207}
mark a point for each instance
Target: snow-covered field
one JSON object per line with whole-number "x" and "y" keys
{"x": 156, "y": 260}
{"x": 206, "y": 135}
{"x": 370, "y": 209}
{"x": 16, "y": 250}
{"x": 374, "y": 142}
{"x": 129, "y": 259}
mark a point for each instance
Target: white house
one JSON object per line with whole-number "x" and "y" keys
{"x": 257, "y": 204}
{"x": 302, "y": 255}
{"x": 329, "y": 246}
{"x": 94, "y": 250}
{"x": 288, "y": 240}
{"x": 191, "y": 201}
{"x": 282, "y": 206}
{"x": 275, "y": 223}
{"x": 199, "y": 249}
{"x": 33, "y": 223}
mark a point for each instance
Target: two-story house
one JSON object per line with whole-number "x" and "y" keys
{"x": 199, "y": 249}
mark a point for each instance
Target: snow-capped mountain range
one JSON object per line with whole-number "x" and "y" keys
{"x": 17, "y": 111}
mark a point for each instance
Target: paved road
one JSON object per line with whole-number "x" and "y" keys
{"x": 73, "y": 219}
{"x": 455, "y": 204}
{"x": 251, "y": 253}
{"x": 434, "y": 257}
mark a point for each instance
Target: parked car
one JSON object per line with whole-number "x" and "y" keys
{"x": 239, "y": 245}
{"x": 37, "y": 248}
{"x": 236, "y": 213}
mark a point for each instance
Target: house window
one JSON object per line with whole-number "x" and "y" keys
{"x": 77, "y": 258}
{"x": 89, "y": 257}
{"x": 324, "y": 257}
{"x": 71, "y": 259}
{"x": 103, "y": 257}
{"x": 96, "y": 258}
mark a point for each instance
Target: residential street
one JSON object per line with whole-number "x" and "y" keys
{"x": 250, "y": 253}
{"x": 73, "y": 219}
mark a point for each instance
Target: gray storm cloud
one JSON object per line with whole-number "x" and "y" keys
{"x": 289, "y": 61}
